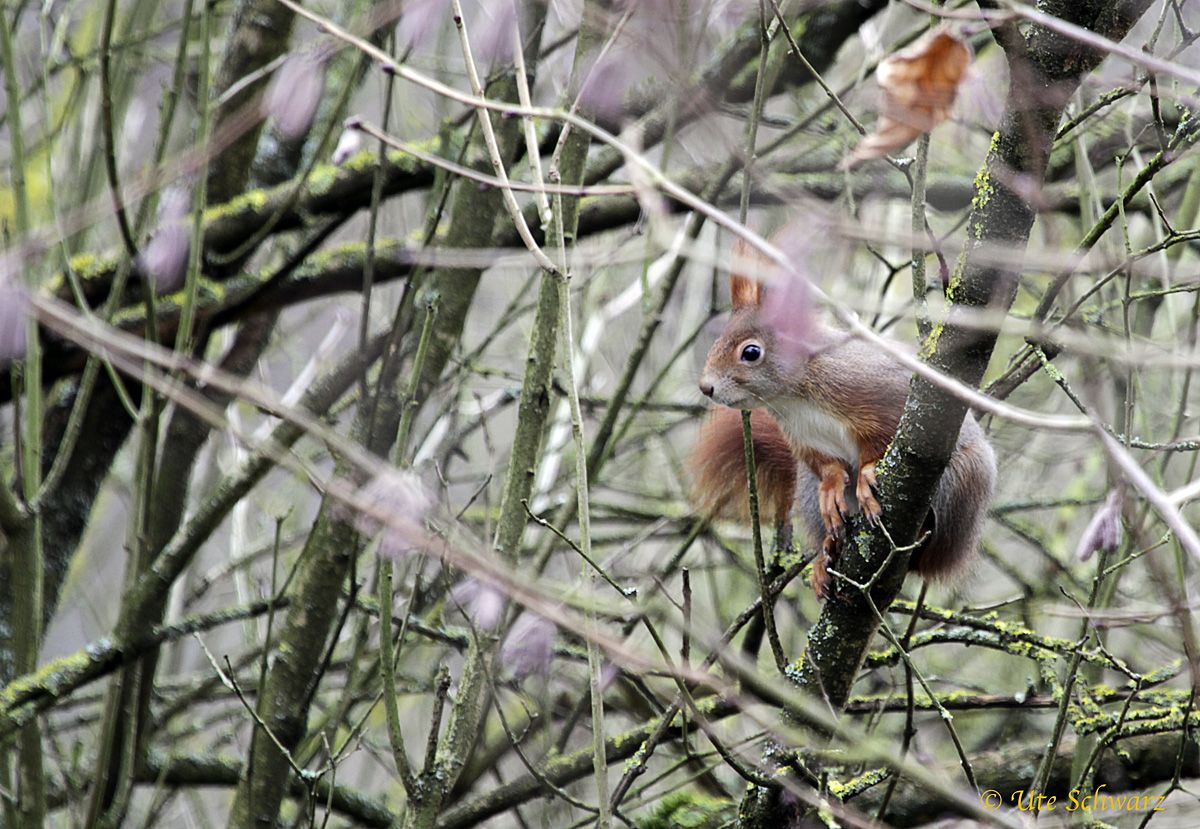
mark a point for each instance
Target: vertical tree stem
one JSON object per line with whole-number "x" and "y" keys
{"x": 387, "y": 658}
{"x": 27, "y": 546}
{"x": 919, "y": 284}
{"x": 183, "y": 340}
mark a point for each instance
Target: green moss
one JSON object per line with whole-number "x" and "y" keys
{"x": 254, "y": 201}
{"x": 51, "y": 676}
{"x": 89, "y": 266}
{"x": 322, "y": 178}
{"x": 637, "y": 760}
{"x": 364, "y": 160}
{"x": 687, "y": 810}
{"x": 208, "y": 294}
{"x": 857, "y": 785}
{"x": 321, "y": 260}
{"x": 929, "y": 346}
{"x": 955, "y": 696}
{"x": 983, "y": 192}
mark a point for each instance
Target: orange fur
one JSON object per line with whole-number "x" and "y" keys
{"x": 744, "y": 291}
{"x": 843, "y": 395}
{"x": 718, "y": 467}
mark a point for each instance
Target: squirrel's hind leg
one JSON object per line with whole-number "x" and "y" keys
{"x": 821, "y": 579}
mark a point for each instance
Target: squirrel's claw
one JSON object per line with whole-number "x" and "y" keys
{"x": 831, "y": 498}
{"x": 865, "y": 492}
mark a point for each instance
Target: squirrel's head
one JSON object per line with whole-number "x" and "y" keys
{"x": 768, "y": 340}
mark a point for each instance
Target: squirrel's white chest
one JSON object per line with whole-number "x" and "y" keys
{"x": 814, "y": 427}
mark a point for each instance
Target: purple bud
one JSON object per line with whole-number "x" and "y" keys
{"x": 163, "y": 261}
{"x": 653, "y": 34}
{"x": 1029, "y": 188}
{"x": 393, "y": 506}
{"x": 294, "y": 95}
{"x": 606, "y": 85}
{"x": 1103, "y": 532}
{"x": 788, "y": 307}
{"x": 788, "y": 310}
{"x": 732, "y": 13}
{"x": 349, "y": 143}
{"x": 529, "y": 647}
{"x": 494, "y": 32}
{"x": 978, "y": 99}
{"x": 419, "y": 20}
{"x": 482, "y": 603}
{"x": 608, "y": 674}
{"x": 14, "y": 312}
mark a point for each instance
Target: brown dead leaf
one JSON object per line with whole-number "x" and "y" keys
{"x": 919, "y": 84}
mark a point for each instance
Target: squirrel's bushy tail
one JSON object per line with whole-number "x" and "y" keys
{"x": 719, "y": 469}
{"x": 963, "y": 495}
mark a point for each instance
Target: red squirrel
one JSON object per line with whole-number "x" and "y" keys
{"x": 824, "y": 408}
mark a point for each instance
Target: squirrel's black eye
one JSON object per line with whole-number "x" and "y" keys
{"x": 751, "y": 353}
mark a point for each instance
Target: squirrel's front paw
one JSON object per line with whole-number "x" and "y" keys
{"x": 831, "y": 498}
{"x": 865, "y": 492}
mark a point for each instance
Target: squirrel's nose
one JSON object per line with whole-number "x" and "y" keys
{"x": 706, "y": 388}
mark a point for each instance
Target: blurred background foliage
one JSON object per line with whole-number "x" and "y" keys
{"x": 202, "y": 643}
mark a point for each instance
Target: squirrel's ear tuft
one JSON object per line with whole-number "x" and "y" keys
{"x": 744, "y": 289}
